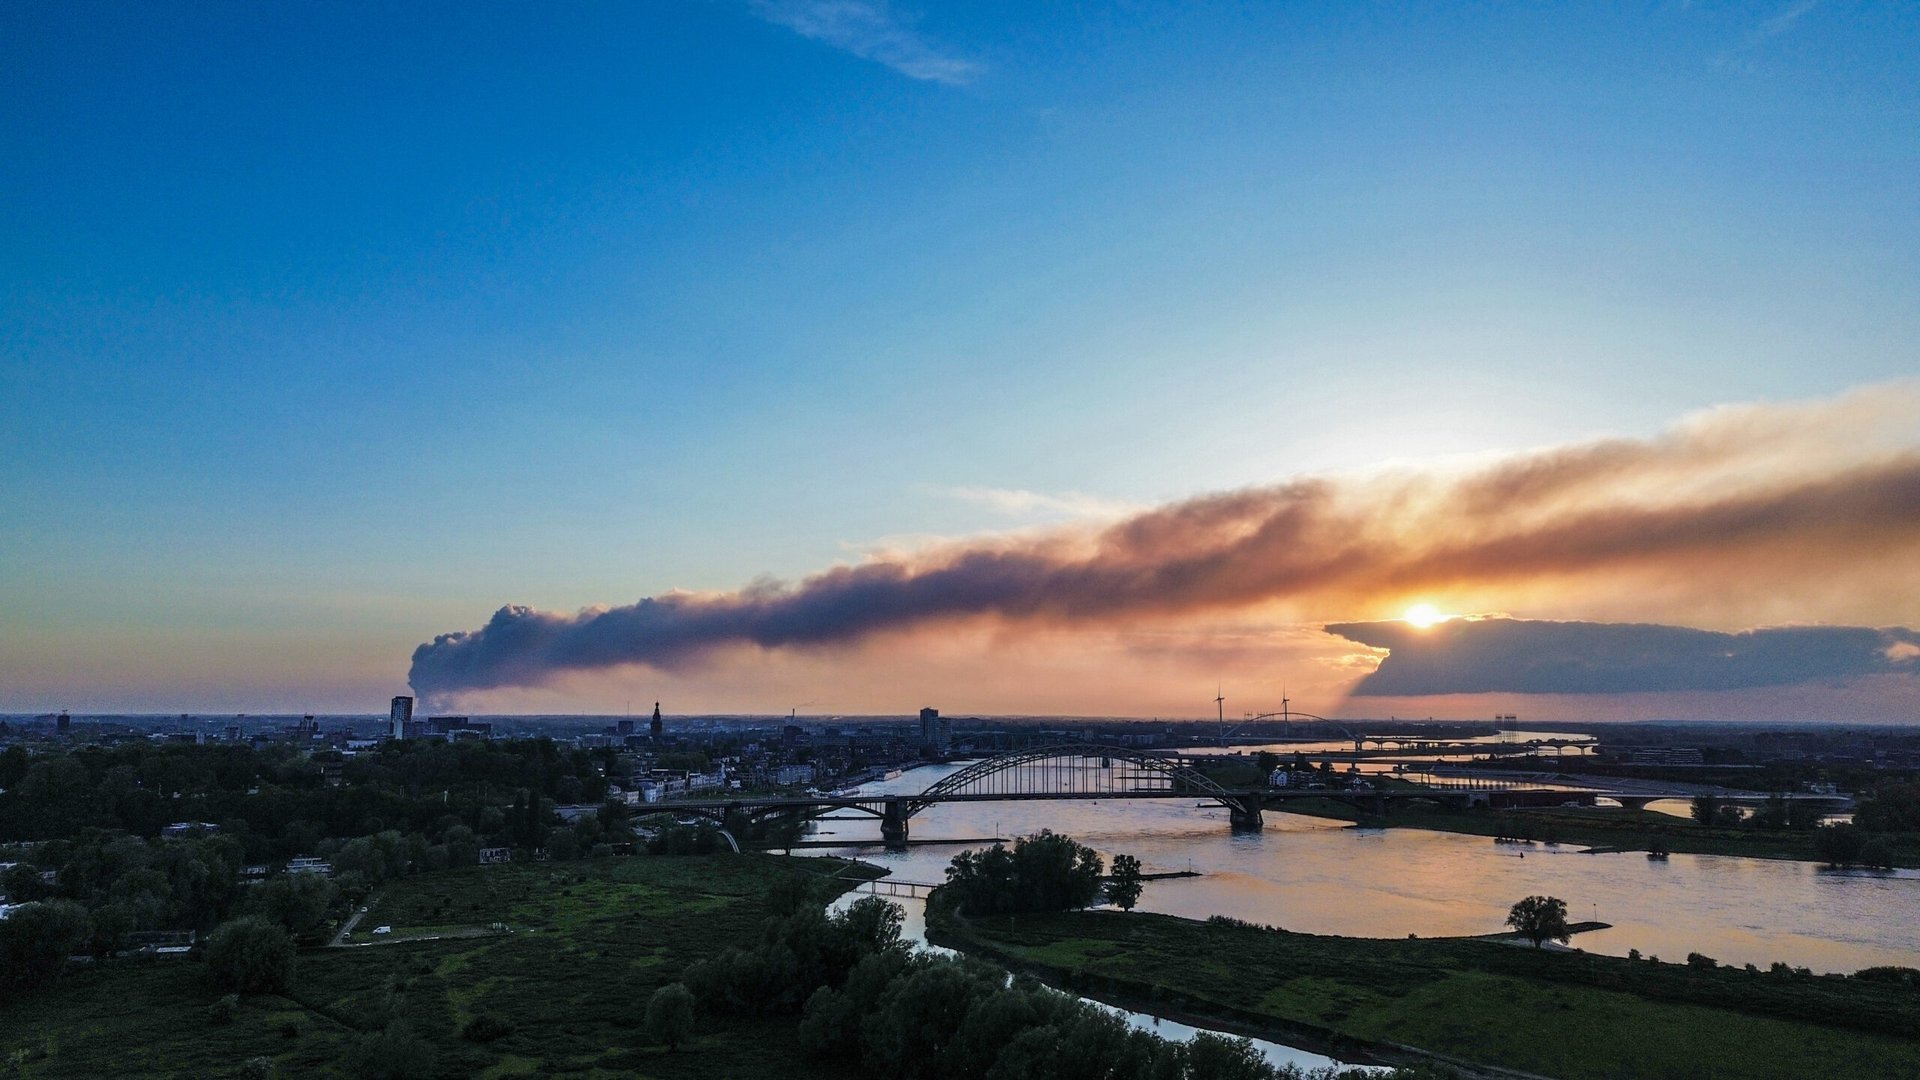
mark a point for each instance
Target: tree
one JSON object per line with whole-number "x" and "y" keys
{"x": 1043, "y": 872}
{"x": 1222, "y": 1057}
{"x": 1706, "y": 809}
{"x": 1840, "y": 845}
{"x": 36, "y": 939}
{"x": 299, "y": 902}
{"x": 871, "y": 923}
{"x": 669, "y": 1016}
{"x": 1124, "y": 883}
{"x": 1540, "y": 918}
{"x": 252, "y": 956}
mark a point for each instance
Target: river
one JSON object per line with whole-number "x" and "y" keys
{"x": 1324, "y": 877}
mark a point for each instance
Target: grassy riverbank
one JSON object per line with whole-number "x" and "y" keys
{"x": 1628, "y": 830}
{"x": 1567, "y": 1015}
{"x": 587, "y": 943}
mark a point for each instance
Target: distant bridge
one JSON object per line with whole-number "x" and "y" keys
{"x": 1084, "y": 771}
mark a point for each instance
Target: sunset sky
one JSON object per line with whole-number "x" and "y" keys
{"x": 1004, "y": 357}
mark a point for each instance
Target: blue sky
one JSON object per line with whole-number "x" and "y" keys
{"x": 330, "y": 328}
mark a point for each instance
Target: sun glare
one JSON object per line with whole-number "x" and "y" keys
{"x": 1424, "y": 615}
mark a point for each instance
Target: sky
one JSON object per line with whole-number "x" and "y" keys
{"x": 1008, "y": 358}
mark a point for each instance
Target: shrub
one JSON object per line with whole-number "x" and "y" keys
{"x": 251, "y": 956}
{"x": 224, "y": 1010}
{"x": 669, "y": 1017}
{"x": 1899, "y": 976}
{"x": 396, "y": 1053}
{"x": 486, "y": 1027}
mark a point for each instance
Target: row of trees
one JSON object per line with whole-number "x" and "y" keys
{"x": 1043, "y": 872}
{"x": 1845, "y": 844}
{"x": 1778, "y": 812}
{"x": 278, "y": 802}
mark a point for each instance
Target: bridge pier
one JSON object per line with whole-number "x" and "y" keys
{"x": 1630, "y": 802}
{"x": 1243, "y": 815}
{"x": 893, "y": 825}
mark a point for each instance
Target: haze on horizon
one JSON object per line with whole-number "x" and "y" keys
{"x": 1018, "y": 361}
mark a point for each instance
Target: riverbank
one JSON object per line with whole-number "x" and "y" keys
{"x": 1571, "y": 1015}
{"x": 1604, "y": 829}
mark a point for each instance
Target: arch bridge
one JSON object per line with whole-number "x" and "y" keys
{"x": 1055, "y": 772}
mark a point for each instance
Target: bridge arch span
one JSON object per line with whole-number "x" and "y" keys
{"x": 1082, "y": 769}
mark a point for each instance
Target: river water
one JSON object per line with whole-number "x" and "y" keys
{"x": 1323, "y": 877}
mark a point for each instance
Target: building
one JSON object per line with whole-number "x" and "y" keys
{"x": 458, "y": 727}
{"x": 656, "y": 728}
{"x": 935, "y": 733}
{"x": 180, "y": 830}
{"x": 399, "y": 716}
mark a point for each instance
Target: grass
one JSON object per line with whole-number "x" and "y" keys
{"x": 1566, "y": 1015}
{"x": 588, "y": 943}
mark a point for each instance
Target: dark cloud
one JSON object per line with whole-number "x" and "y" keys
{"x": 1473, "y": 656}
{"x": 1753, "y": 492}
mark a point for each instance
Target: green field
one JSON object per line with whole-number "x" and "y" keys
{"x": 1565, "y": 1015}
{"x": 585, "y": 944}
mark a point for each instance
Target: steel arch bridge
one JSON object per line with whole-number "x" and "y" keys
{"x": 1072, "y": 770}
{"x": 1053, "y": 772}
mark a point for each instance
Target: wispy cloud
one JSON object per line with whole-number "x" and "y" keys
{"x": 1016, "y": 502}
{"x": 1741, "y": 57}
{"x": 1793, "y": 504}
{"x": 870, "y": 30}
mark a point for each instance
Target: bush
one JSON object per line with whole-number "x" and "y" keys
{"x": 669, "y": 1017}
{"x": 257, "y": 1069}
{"x": 486, "y": 1027}
{"x": 1899, "y": 976}
{"x": 251, "y": 956}
{"x": 396, "y": 1053}
{"x": 224, "y": 1010}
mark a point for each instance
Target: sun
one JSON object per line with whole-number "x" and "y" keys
{"x": 1425, "y": 615}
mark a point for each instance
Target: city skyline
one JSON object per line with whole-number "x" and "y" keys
{"x": 1102, "y": 361}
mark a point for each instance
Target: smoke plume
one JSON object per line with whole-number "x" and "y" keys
{"x": 1795, "y": 499}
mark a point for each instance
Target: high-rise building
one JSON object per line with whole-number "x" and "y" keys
{"x": 935, "y": 733}
{"x": 656, "y": 727}
{"x": 399, "y": 716}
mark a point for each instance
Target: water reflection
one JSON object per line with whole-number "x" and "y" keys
{"x": 1323, "y": 877}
